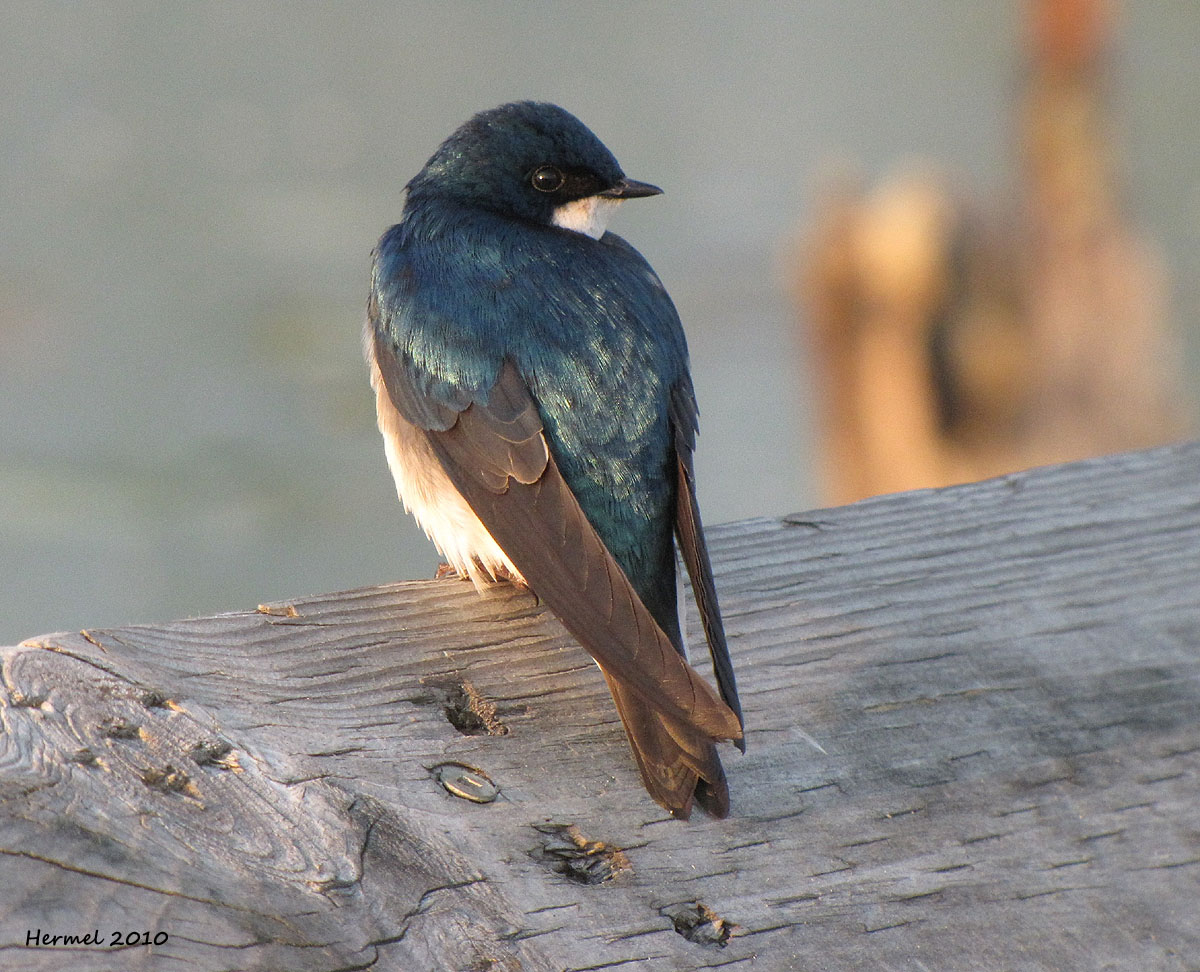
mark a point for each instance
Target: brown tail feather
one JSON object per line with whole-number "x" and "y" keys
{"x": 678, "y": 763}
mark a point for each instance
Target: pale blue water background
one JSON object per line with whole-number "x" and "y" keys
{"x": 189, "y": 193}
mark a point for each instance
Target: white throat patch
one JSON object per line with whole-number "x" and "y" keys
{"x": 588, "y": 215}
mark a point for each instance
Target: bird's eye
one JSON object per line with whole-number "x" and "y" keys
{"x": 546, "y": 178}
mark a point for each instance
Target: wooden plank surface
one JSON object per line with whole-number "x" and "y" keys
{"x": 973, "y": 743}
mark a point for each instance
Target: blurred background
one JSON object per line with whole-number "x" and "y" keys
{"x": 913, "y": 242}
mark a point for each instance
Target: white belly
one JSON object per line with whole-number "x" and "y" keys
{"x": 427, "y": 493}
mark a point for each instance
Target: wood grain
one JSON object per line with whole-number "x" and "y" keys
{"x": 972, "y": 744}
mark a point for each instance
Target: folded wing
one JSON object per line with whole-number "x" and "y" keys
{"x": 493, "y": 448}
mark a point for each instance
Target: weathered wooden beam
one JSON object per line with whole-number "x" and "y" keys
{"x": 973, "y": 744}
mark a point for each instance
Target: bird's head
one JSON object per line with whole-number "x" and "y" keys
{"x": 532, "y": 161}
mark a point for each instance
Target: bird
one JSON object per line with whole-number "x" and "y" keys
{"x": 533, "y": 390}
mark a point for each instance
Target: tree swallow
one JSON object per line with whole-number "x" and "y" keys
{"x": 532, "y": 387}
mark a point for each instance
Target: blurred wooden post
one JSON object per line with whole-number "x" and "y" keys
{"x": 873, "y": 282}
{"x": 946, "y": 350}
{"x": 1101, "y": 357}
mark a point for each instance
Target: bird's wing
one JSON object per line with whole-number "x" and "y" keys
{"x": 678, "y": 764}
{"x": 495, "y": 452}
{"x": 689, "y": 532}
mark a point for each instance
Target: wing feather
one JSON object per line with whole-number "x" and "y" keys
{"x": 689, "y": 532}
{"x": 496, "y": 454}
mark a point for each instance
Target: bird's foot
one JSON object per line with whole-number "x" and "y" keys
{"x": 496, "y": 575}
{"x": 502, "y": 573}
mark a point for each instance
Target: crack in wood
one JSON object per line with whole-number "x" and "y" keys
{"x": 87, "y": 636}
{"x": 1106, "y": 835}
{"x": 934, "y": 894}
{"x": 114, "y": 879}
{"x": 869, "y": 930}
{"x": 525, "y": 934}
{"x": 948, "y": 868}
{"x": 1017, "y": 810}
{"x": 1048, "y": 892}
{"x": 1169, "y": 865}
{"x": 1057, "y": 865}
{"x": 617, "y": 963}
{"x": 984, "y": 838}
{"x": 553, "y": 907}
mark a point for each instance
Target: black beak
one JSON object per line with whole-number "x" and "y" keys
{"x": 629, "y": 189}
